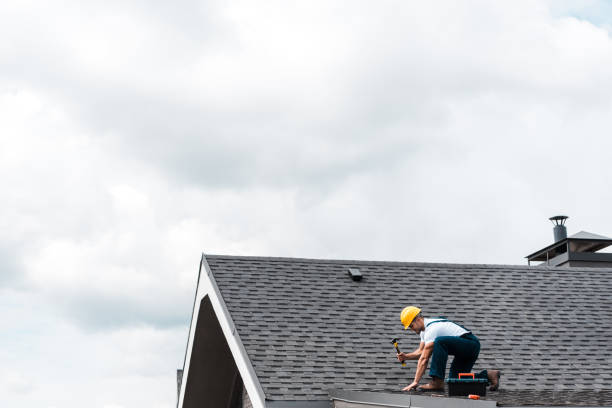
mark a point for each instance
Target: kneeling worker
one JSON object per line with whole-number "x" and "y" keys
{"x": 439, "y": 338}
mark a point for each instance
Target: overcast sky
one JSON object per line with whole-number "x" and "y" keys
{"x": 135, "y": 135}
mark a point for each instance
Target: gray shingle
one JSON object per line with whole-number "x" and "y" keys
{"x": 307, "y": 327}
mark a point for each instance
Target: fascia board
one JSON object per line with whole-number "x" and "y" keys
{"x": 245, "y": 367}
{"x": 433, "y": 402}
{"x": 382, "y": 399}
{"x": 299, "y": 404}
{"x": 190, "y": 337}
{"x": 207, "y": 286}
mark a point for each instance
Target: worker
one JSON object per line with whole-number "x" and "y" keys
{"x": 439, "y": 338}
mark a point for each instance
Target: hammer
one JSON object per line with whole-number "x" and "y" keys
{"x": 394, "y": 342}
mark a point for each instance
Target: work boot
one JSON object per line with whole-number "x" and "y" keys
{"x": 436, "y": 384}
{"x": 494, "y": 379}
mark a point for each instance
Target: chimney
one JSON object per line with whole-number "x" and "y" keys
{"x": 559, "y": 229}
{"x": 578, "y": 250}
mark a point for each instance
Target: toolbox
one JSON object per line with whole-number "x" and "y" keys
{"x": 467, "y": 384}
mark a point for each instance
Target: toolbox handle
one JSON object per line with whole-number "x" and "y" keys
{"x": 467, "y": 375}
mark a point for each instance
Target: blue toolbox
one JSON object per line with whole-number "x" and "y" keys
{"x": 467, "y": 384}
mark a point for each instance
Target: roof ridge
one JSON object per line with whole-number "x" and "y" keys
{"x": 397, "y": 263}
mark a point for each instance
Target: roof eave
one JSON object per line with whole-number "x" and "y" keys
{"x": 603, "y": 243}
{"x": 299, "y": 404}
{"x": 405, "y": 400}
{"x": 533, "y": 256}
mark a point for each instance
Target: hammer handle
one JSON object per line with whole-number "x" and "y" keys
{"x": 398, "y": 351}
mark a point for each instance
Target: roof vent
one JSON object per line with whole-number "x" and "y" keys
{"x": 559, "y": 230}
{"x": 355, "y": 274}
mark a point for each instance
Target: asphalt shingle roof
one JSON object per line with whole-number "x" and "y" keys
{"x": 307, "y": 327}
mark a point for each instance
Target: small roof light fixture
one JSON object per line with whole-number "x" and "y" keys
{"x": 355, "y": 274}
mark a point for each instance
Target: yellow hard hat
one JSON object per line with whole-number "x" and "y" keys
{"x": 408, "y": 315}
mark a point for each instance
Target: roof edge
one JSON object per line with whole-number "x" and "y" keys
{"x": 298, "y": 404}
{"x": 189, "y": 337}
{"x": 406, "y": 400}
{"x": 241, "y": 357}
{"x": 566, "y": 240}
{"x": 207, "y": 286}
{"x": 391, "y": 263}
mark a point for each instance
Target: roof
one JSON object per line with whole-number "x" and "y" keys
{"x": 589, "y": 236}
{"x": 582, "y": 241}
{"x": 308, "y": 328}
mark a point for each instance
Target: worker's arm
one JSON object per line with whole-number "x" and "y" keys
{"x": 421, "y": 366}
{"x": 411, "y": 356}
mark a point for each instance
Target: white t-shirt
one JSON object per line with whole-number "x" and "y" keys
{"x": 441, "y": 328}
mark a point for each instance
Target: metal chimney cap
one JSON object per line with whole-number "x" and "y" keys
{"x": 559, "y": 219}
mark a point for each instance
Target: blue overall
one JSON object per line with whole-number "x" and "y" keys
{"x": 465, "y": 348}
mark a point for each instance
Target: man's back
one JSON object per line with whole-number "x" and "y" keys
{"x": 439, "y": 327}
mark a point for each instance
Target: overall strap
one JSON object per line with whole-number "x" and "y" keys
{"x": 436, "y": 321}
{"x": 442, "y": 319}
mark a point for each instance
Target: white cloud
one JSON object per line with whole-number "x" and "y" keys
{"x": 15, "y": 382}
{"x": 50, "y": 362}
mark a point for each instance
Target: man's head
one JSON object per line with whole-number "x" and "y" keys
{"x": 411, "y": 318}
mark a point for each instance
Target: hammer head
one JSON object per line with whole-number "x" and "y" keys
{"x": 395, "y": 340}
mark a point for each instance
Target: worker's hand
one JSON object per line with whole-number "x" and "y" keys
{"x": 412, "y": 386}
{"x": 402, "y": 357}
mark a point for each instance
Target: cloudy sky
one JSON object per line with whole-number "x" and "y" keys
{"x": 135, "y": 135}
